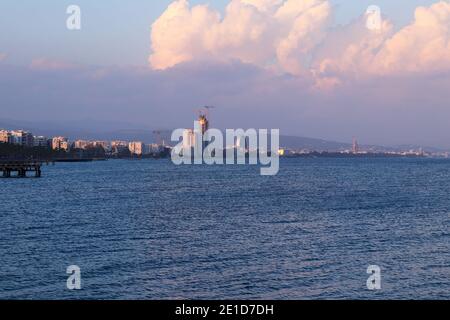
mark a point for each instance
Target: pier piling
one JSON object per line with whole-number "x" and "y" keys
{"x": 21, "y": 167}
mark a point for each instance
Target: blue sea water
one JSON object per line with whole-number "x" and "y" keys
{"x": 152, "y": 230}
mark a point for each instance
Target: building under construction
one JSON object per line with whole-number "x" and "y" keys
{"x": 204, "y": 123}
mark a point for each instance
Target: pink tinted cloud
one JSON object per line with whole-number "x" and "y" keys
{"x": 48, "y": 64}
{"x": 252, "y": 31}
{"x": 296, "y": 37}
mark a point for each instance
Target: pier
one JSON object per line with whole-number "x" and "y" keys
{"x": 19, "y": 168}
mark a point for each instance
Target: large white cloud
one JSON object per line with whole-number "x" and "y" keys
{"x": 349, "y": 52}
{"x": 296, "y": 37}
{"x": 262, "y": 32}
{"x": 423, "y": 46}
{"x": 305, "y": 23}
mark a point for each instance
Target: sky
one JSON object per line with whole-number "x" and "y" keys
{"x": 309, "y": 67}
{"x": 116, "y": 32}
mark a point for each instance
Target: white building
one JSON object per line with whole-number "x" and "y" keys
{"x": 136, "y": 147}
{"x": 60, "y": 143}
{"x": 5, "y": 136}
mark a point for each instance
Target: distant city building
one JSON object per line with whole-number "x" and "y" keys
{"x": 23, "y": 138}
{"x": 355, "y": 147}
{"x": 81, "y": 144}
{"x": 204, "y": 123}
{"x": 136, "y": 147}
{"x": 188, "y": 138}
{"x": 118, "y": 147}
{"x": 118, "y": 144}
{"x": 40, "y": 141}
{"x": 64, "y": 145}
{"x": 154, "y": 148}
{"x": 60, "y": 143}
{"x": 5, "y": 136}
{"x": 104, "y": 144}
{"x": 85, "y": 144}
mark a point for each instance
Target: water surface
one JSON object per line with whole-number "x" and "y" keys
{"x": 151, "y": 230}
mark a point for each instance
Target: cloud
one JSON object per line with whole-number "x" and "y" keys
{"x": 297, "y": 37}
{"x": 264, "y": 64}
{"x": 349, "y": 52}
{"x": 253, "y": 31}
{"x": 423, "y": 46}
{"x": 3, "y": 56}
{"x": 48, "y": 64}
{"x": 306, "y": 22}
{"x": 420, "y": 47}
{"x": 385, "y": 109}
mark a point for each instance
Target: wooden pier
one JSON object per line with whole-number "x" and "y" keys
{"x": 19, "y": 168}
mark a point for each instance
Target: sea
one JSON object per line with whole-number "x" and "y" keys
{"x": 148, "y": 229}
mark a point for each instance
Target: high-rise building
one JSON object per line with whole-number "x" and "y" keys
{"x": 136, "y": 147}
{"x": 5, "y": 136}
{"x": 23, "y": 138}
{"x": 60, "y": 143}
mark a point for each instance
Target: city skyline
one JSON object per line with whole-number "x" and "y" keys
{"x": 334, "y": 80}
{"x": 154, "y": 145}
